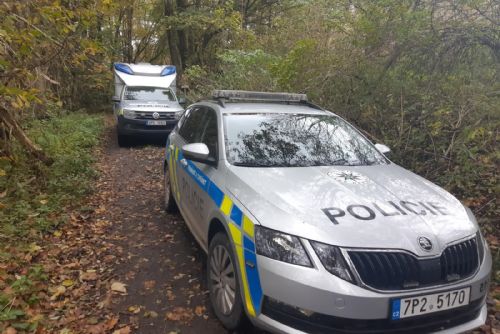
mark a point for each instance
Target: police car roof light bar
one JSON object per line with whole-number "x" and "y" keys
{"x": 258, "y": 96}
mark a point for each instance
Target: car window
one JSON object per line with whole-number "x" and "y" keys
{"x": 209, "y": 136}
{"x": 148, "y": 94}
{"x": 295, "y": 140}
{"x": 192, "y": 126}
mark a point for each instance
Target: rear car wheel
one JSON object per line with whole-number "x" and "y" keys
{"x": 223, "y": 283}
{"x": 168, "y": 198}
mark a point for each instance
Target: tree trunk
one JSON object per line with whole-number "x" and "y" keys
{"x": 13, "y": 127}
{"x": 183, "y": 37}
{"x": 128, "y": 47}
{"x": 173, "y": 40}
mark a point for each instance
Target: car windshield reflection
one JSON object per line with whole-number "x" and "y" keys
{"x": 295, "y": 140}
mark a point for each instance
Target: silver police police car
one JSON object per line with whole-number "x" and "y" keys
{"x": 309, "y": 228}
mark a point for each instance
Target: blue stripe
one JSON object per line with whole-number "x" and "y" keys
{"x": 167, "y": 149}
{"x": 197, "y": 175}
{"x": 215, "y": 194}
{"x": 248, "y": 244}
{"x": 253, "y": 280}
{"x": 237, "y": 215}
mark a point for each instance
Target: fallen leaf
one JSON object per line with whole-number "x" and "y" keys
{"x": 118, "y": 287}
{"x": 179, "y": 276}
{"x": 111, "y": 323}
{"x": 68, "y": 282}
{"x": 34, "y": 248}
{"x": 148, "y": 285}
{"x": 199, "y": 310}
{"x": 134, "y": 309}
{"x": 180, "y": 314}
{"x": 150, "y": 314}
{"x": 123, "y": 330}
{"x": 60, "y": 290}
{"x": 89, "y": 275}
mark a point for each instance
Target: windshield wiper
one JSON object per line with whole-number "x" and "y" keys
{"x": 249, "y": 164}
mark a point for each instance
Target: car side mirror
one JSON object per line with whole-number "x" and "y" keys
{"x": 115, "y": 99}
{"x": 385, "y": 150}
{"x": 182, "y": 100}
{"x": 197, "y": 152}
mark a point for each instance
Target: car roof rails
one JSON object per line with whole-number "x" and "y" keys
{"x": 221, "y": 96}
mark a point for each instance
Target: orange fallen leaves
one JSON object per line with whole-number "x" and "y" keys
{"x": 182, "y": 314}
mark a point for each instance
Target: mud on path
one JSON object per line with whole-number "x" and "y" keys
{"x": 157, "y": 260}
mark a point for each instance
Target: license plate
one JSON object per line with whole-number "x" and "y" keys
{"x": 418, "y": 305}
{"x": 156, "y": 122}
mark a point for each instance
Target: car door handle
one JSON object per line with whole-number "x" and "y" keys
{"x": 184, "y": 162}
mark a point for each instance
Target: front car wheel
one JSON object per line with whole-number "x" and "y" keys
{"x": 223, "y": 283}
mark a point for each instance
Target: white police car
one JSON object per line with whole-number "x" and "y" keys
{"x": 309, "y": 228}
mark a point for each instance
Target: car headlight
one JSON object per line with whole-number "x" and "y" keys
{"x": 178, "y": 114}
{"x": 280, "y": 246}
{"x": 332, "y": 259}
{"x": 128, "y": 113}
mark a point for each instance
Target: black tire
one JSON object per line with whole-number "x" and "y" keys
{"x": 123, "y": 141}
{"x": 169, "y": 203}
{"x": 235, "y": 317}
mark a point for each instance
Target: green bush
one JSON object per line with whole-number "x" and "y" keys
{"x": 34, "y": 195}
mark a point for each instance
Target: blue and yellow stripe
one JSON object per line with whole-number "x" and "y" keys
{"x": 240, "y": 226}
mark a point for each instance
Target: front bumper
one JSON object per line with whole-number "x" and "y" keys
{"x": 311, "y": 300}
{"x": 132, "y": 127}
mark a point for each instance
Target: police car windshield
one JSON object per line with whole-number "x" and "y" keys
{"x": 295, "y": 140}
{"x": 148, "y": 94}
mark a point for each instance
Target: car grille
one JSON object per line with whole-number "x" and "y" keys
{"x": 149, "y": 115}
{"x": 402, "y": 271}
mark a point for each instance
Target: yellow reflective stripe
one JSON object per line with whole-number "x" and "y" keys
{"x": 176, "y": 157}
{"x": 172, "y": 171}
{"x": 235, "y": 234}
{"x": 248, "y": 227}
{"x": 237, "y": 237}
{"x": 226, "y": 205}
{"x": 246, "y": 290}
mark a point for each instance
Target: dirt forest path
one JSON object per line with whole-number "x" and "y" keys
{"x": 158, "y": 265}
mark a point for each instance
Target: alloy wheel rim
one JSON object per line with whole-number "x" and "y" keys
{"x": 222, "y": 277}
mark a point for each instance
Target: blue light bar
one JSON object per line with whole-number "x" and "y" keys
{"x": 123, "y": 68}
{"x": 258, "y": 96}
{"x": 170, "y": 69}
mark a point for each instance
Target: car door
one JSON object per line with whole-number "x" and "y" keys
{"x": 188, "y": 198}
{"x": 205, "y": 205}
{"x": 189, "y": 131}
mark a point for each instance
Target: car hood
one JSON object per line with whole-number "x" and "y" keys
{"x": 158, "y": 106}
{"x": 381, "y": 206}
